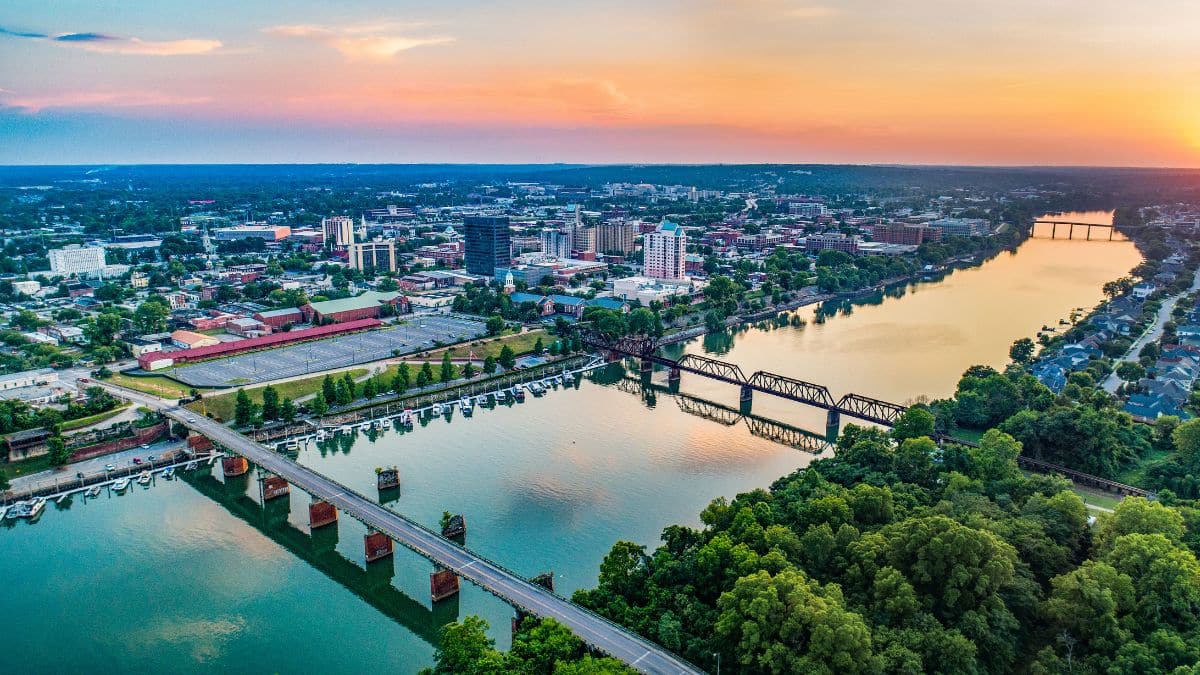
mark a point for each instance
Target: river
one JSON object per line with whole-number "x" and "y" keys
{"x": 193, "y": 576}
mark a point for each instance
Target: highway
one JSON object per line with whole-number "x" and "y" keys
{"x": 600, "y": 633}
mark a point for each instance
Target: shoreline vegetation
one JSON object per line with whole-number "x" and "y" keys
{"x": 897, "y": 555}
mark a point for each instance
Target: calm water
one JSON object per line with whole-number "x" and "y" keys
{"x": 195, "y": 576}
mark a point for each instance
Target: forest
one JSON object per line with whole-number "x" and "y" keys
{"x": 897, "y": 555}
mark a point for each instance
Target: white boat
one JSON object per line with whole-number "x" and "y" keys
{"x": 464, "y": 404}
{"x": 120, "y": 484}
{"x": 35, "y": 507}
{"x": 3, "y": 511}
{"x": 94, "y": 491}
{"x": 436, "y": 409}
{"x": 17, "y": 510}
{"x": 190, "y": 466}
{"x": 143, "y": 478}
{"x": 320, "y": 434}
{"x": 168, "y": 473}
{"x": 406, "y": 417}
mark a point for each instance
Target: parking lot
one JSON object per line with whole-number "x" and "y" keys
{"x": 418, "y": 333}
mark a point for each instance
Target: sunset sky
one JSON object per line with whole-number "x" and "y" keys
{"x": 915, "y": 81}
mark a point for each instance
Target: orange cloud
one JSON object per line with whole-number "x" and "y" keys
{"x": 369, "y": 42}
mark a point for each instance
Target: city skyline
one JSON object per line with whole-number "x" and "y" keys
{"x": 922, "y": 82}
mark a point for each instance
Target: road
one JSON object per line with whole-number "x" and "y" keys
{"x": 602, "y": 634}
{"x": 1153, "y": 333}
{"x": 121, "y": 460}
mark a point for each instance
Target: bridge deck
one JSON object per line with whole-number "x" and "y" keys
{"x": 600, "y": 633}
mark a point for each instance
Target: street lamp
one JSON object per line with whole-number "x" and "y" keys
{"x": 718, "y": 657}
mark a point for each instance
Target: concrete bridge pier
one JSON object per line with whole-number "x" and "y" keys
{"x": 673, "y": 380}
{"x": 647, "y": 366}
{"x": 443, "y": 583}
{"x": 746, "y": 400}
{"x": 376, "y": 545}
{"x": 833, "y": 425}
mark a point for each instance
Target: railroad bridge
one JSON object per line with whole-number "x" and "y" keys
{"x": 857, "y": 406}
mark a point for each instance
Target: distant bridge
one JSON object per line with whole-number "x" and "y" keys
{"x": 1071, "y": 225}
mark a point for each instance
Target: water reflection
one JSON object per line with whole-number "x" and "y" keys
{"x": 319, "y": 549}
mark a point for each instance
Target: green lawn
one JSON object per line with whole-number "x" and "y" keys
{"x": 1099, "y": 498}
{"x": 158, "y": 385}
{"x": 222, "y": 405}
{"x": 521, "y": 343}
{"x": 71, "y": 425}
{"x": 25, "y": 467}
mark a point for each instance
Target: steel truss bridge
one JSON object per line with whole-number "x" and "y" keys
{"x": 816, "y": 395}
{"x": 778, "y": 432}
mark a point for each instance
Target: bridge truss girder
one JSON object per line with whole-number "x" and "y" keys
{"x": 870, "y": 409}
{"x": 787, "y": 387}
{"x": 720, "y": 370}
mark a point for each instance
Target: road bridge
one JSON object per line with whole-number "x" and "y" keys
{"x": 601, "y": 634}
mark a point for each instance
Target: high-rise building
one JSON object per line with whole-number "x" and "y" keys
{"x": 615, "y": 236}
{"x": 556, "y": 243}
{"x": 583, "y": 239}
{"x": 664, "y": 250}
{"x": 75, "y": 259}
{"x": 487, "y": 244}
{"x": 378, "y": 255}
{"x": 338, "y": 231}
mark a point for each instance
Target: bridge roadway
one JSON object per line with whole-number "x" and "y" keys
{"x": 598, "y": 632}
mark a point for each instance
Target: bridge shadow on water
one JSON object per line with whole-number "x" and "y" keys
{"x": 373, "y": 584}
{"x": 616, "y": 376}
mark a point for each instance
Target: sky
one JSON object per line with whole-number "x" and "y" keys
{"x": 1019, "y": 82}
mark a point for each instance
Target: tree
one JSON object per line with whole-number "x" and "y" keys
{"x": 402, "y": 379}
{"x": 59, "y": 453}
{"x": 644, "y": 322}
{"x": 447, "y": 371}
{"x": 495, "y": 324}
{"x": 319, "y": 406}
{"x": 151, "y": 315}
{"x": 466, "y": 649}
{"x": 287, "y": 411}
{"x": 1022, "y": 351}
{"x": 270, "y": 403}
{"x": 507, "y": 358}
{"x": 351, "y": 385}
{"x": 329, "y": 390}
{"x": 1187, "y": 441}
{"x": 1130, "y": 371}
{"x": 342, "y": 393}
{"x": 425, "y": 375}
{"x": 913, "y": 423}
{"x": 489, "y": 364}
{"x": 103, "y": 330}
{"x": 468, "y": 370}
{"x": 243, "y": 409}
{"x": 787, "y": 623}
{"x": 538, "y": 347}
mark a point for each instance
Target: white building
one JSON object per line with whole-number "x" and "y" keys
{"x": 556, "y": 243}
{"x": 75, "y": 259}
{"x": 649, "y": 290}
{"x": 338, "y": 231}
{"x": 664, "y": 250}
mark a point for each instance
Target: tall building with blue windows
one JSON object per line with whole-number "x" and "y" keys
{"x": 487, "y": 244}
